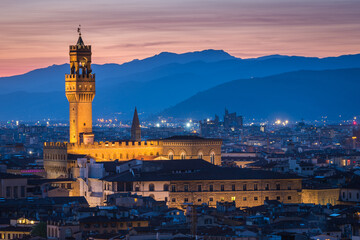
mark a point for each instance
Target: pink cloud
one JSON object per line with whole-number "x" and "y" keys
{"x": 37, "y": 33}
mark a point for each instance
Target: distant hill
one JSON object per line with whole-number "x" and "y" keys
{"x": 52, "y": 78}
{"x": 152, "y": 84}
{"x": 300, "y": 94}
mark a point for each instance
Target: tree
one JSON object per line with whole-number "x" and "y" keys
{"x": 40, "y": 230}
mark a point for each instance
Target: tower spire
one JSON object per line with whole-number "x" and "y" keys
{"x": 135, "y": 128}
{"x": 80, "y": 42}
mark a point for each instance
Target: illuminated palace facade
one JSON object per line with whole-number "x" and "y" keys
{"x": 60, "y": 158}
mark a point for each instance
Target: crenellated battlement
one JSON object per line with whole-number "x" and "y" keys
{"x": 55, "y": 145}
{"x": 80, "y": 47}
{"x": 72, "y": 77}
{"x": 122, "y": 144}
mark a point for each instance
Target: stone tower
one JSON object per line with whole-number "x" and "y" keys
{"x": 135, "y": 128}
{"x": 80, "y": 92}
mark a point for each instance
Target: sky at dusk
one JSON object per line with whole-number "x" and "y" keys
{"x": 37, "y": 33}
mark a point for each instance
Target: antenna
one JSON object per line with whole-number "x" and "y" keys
{"x": 79, "y": 30}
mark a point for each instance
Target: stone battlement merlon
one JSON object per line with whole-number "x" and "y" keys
{"x": 80, "y": 47}
{"x": 114, "y": 144}
{"x": 57, "y": 145}
{"x": 71, "y": 77}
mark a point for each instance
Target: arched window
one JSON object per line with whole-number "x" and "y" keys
{"x": 200, "y": 155}
{"x": 171, "y": 155}
{"x": 212, "y": 157}
{"x": 151, "y": 187}
{"x": 183, "y": 155}
{"x": 166, "y": 187}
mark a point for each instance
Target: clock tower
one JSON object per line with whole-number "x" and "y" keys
{"x": 80, "y": 92}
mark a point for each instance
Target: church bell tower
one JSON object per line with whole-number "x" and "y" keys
{"x": 80, "y": 92}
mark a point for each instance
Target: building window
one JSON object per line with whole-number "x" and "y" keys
{"x": 8, "y": 192}
{"x": 200, "y": 155}
{"x": 289, "y": 197}
{"x": 266, "y": 198}
{"x": 186, "y": 188}
{"x": 244, "y": 187}
{"x": 255, "y": 187}
{"x": 166, "y": 187}
{"x": 267, "y": 187}
{"x": 212, "y": 158}
{"x": 151, "y": 187}
{"x": 211, "y": 188}
{"x": 349, "y": 194}
{"x": 233, "y": 199}
{"x": 182, "y": 155}
{"x": 186, "y": 200}
{"x": 137, "y": 189}
{"x": 278, "y": 198}
{"x": 222, "y": 187}
{"x": 343, "y": 194}
{"x": 173, "y": 188}
{"x": 22, "y": 191}
{"x": 233, "y": 187}
{"x": 15, "y": 192}
{"x": 357, "y": 195}
{"x": 211, "y": 199}
{"x": 199, "y": 188}
{"x": 222, "y": 199}
{"x": 199, "y": 199}
{"x": 244, "y": 198}
{"x": 255, "y": 198}
{"x": 171, "y": 155}
{"x": 277, "y": 186}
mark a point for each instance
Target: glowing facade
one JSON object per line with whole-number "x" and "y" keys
{"x": 60, "y": 158}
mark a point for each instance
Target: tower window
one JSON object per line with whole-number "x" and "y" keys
{"x": 212, "y": 158}
{"x": 84, "y": 124}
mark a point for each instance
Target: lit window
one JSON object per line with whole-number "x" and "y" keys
{"x": 233, "y": 199}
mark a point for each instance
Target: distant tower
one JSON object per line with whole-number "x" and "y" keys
{"x": 80, "y": 92}
{"x": 135, "y": 128}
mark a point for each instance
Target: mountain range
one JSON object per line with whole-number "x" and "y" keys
{"x": 196, "y": 84}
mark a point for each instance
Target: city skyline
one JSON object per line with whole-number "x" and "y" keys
{"x": 37, "y": 34}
